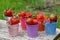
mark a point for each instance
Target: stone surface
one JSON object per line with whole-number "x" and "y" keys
{"x": 22, "y": 34}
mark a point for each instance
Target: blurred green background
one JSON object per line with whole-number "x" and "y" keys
{"x": 27, "y": 5}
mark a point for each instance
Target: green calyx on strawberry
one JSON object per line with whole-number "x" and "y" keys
{"x": 8, "y": 13}
{"x": 15, "y": 15}
{"x": 34, "y": 16}
{"x": 22, "y": 14}
{"x": 31, "y": 21}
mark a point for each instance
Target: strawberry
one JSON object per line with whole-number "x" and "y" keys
{"x": 40, "y": 17}
{"x": 27, "y": 15}
{"x": 51, "y": 20}
{"x": 48, "y": 21}
{"x": 53, "y": 17}
{"x": 8, "y": 13}
{"x": 22, "y": 14}
{"x": 29, "y": 21}
{"x": 35, "y": 21}
{"x": 14, "y": 21}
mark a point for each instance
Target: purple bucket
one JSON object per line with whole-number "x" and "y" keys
{"x": 32, "y": 31}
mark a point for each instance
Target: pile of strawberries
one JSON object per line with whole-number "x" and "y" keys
{"x": 30, "y": 19}
{"x": 14, "y": 19}
{"x": 53, "y": 18}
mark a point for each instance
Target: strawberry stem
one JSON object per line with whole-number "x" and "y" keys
{"x": 15, "y": 15}
{"x": 34, "y": 16}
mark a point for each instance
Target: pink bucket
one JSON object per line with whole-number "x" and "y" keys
{"x": 13, "y": 30}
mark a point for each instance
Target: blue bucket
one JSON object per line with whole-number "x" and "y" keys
{"x": 50, "y": 28}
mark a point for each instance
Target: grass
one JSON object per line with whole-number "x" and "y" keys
{"x": 20, "y": 5}
{"x": 58, "y": 39}
{"x": 57, "y": 11}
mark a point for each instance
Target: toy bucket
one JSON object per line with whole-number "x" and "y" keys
{"x": 50, "y": 28}
{"x": 41, "y": 27}
{"x": 13, "y": 30}
{"x": 32, "y": 31}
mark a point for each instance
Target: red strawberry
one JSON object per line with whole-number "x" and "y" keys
{"x": 48, "y": 21}
{"x": 35, "y": 21}
{"x": 27, "y": 15}
{"x": 8, "y": 13}
{"x": 51, "y": 20}
{"x": 14, "y": 21}
{"x": 22, "y": 14}
{"x": 29, "y": 21}
{"x": 40, "y": 17}
{"x": 53, "y": 17}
